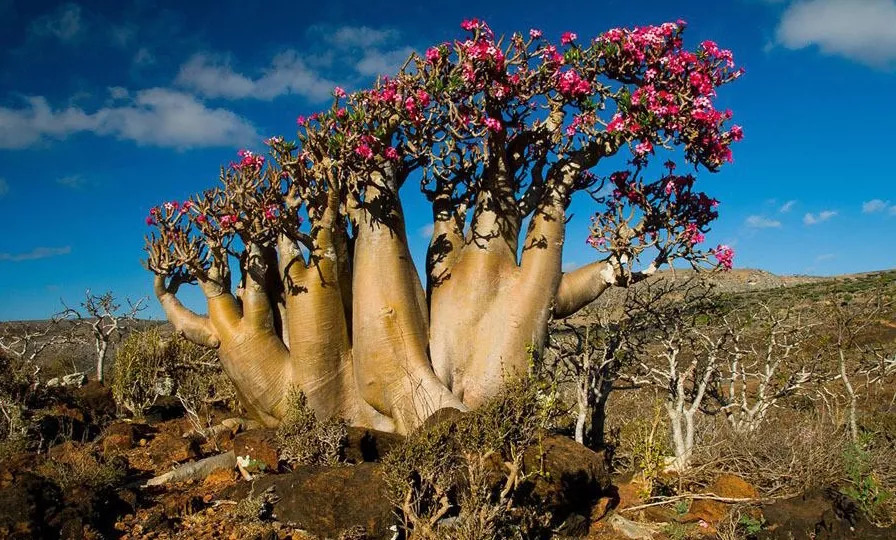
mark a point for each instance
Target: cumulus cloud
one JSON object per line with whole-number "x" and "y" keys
{"x": 876, "y": 205}
{"x": 813, "y": 219}
{"x": 787, "y": 207}
{"x": 36, "y": 253}
{"x": 65, "y": 23}
{"x": 4, "y": 187}
{"x": 154, "y": 117}
{"x": 354, "y": 36}
{"x": 288, "y": 73}
{"x": 861, "y": 30}
{"x": 762, "y": 222}
{"x": 375, "y": 62}
{"x": 351, "y": 53}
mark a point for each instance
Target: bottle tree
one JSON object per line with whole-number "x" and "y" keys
{"x": 498, "y": 132}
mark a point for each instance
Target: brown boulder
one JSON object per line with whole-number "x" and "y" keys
{"x": 327, "y": 501}
{"x": 168, "y": 447}
{"x": 119, "y": 437}
{"x": 259, "y": 445}
{"x": 574, "y": 477}
{"x": 713, "y": 512}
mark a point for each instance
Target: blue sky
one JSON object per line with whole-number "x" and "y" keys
{"x": 105, "y": 110}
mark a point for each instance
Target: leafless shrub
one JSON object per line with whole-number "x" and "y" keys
{"x": 77, "y": 465}
{"x": 790, "y": 455}
{"x": 105, "y": 317}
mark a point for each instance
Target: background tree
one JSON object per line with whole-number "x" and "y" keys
{"x": 497, "y": 131}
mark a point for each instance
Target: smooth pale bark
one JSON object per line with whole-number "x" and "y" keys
{"x": 355, "y": 331}
{"x": 390, "y": 325}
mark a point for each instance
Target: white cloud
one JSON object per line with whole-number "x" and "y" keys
{"x": 375, "y": 62}
{"x": 787, "y": 207}
{"x": 762, "y": 222}
{"x": 861, "y": 30}
{"x": 346, "y": 37}
{"x": 875, "y": 205}
{"x": 65, "y": 23}
{"x": 288, "y": 74}
{"x": 73, "y": 181}
{"x": 4, "y": 187}
{"x": 143, "y": 57}
{"x": 824, "y": 215}
{"x": 155, "y": 117}
{"x": 36, "y": 253}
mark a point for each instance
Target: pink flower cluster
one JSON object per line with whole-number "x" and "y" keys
{"x": 228, "y": 220}
{"x": 249, "y": 162}
{"x": 493, "y": 124}
{"x": 571, "y": 85}
{"x": 693, "y": 235}
{"x": 725, "y": 255}
{"x": 567, "y": 38}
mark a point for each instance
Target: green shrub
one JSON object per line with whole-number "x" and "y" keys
{"x": 306, "y": 440}
{"x": 863, "y": 485}
{"x": 143, "y": 358}
{"x": 456, "y": 466}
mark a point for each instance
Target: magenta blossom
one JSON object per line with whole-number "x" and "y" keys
{"x": 339, "y": 92}
{"x": 568, "y": 37}
{"x": 535, "y": 33}
{"x": 493, "y": 124}
{"x": 725, "y": 255}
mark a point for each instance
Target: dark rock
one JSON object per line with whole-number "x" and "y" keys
{"x": 572, "y": 477}
{"x": 259, "y": 445}
{"x": 326, "y": 501}
{"x": 25, "y": 504}
{"x": 369, "y": 444}
{"x": 448, "y": 414}
{"x": 96, "y": 399}
{"x": 820, "y": 515}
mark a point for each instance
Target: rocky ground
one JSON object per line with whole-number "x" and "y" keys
{"x": 93, "y": 484}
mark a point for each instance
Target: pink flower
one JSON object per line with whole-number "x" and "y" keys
{"x": 433, "y": 54}
{"x": 595, "y": 242}
{"x": 150, "y": 220}
{"x": 228, "y": 220}
{"x": 201, "y": 218}
{"x": 423, "y": 97}
{"x": 470, "y": 24}
{"x": 171, "y": 206}
{"x": 643, "y": 148}
{"x": 391, "y": 153}
{"x": 364, "y": 151}
{"x": 535, "y": 33}
{"x": 300, "y": 120}
{"x": 493, "y": 124}
{"x": 737, "y": 133}
{"x": 693, "y": 235}
{"x": 270, "y": 211}
{"x": 153, "y": 211}
{"x": 568, "y": 37}
{"x": 725, "y": 255}
{"x": 339, "y": 92}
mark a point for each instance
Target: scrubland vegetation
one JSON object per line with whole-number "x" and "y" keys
{"x": 677, "y": 383}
